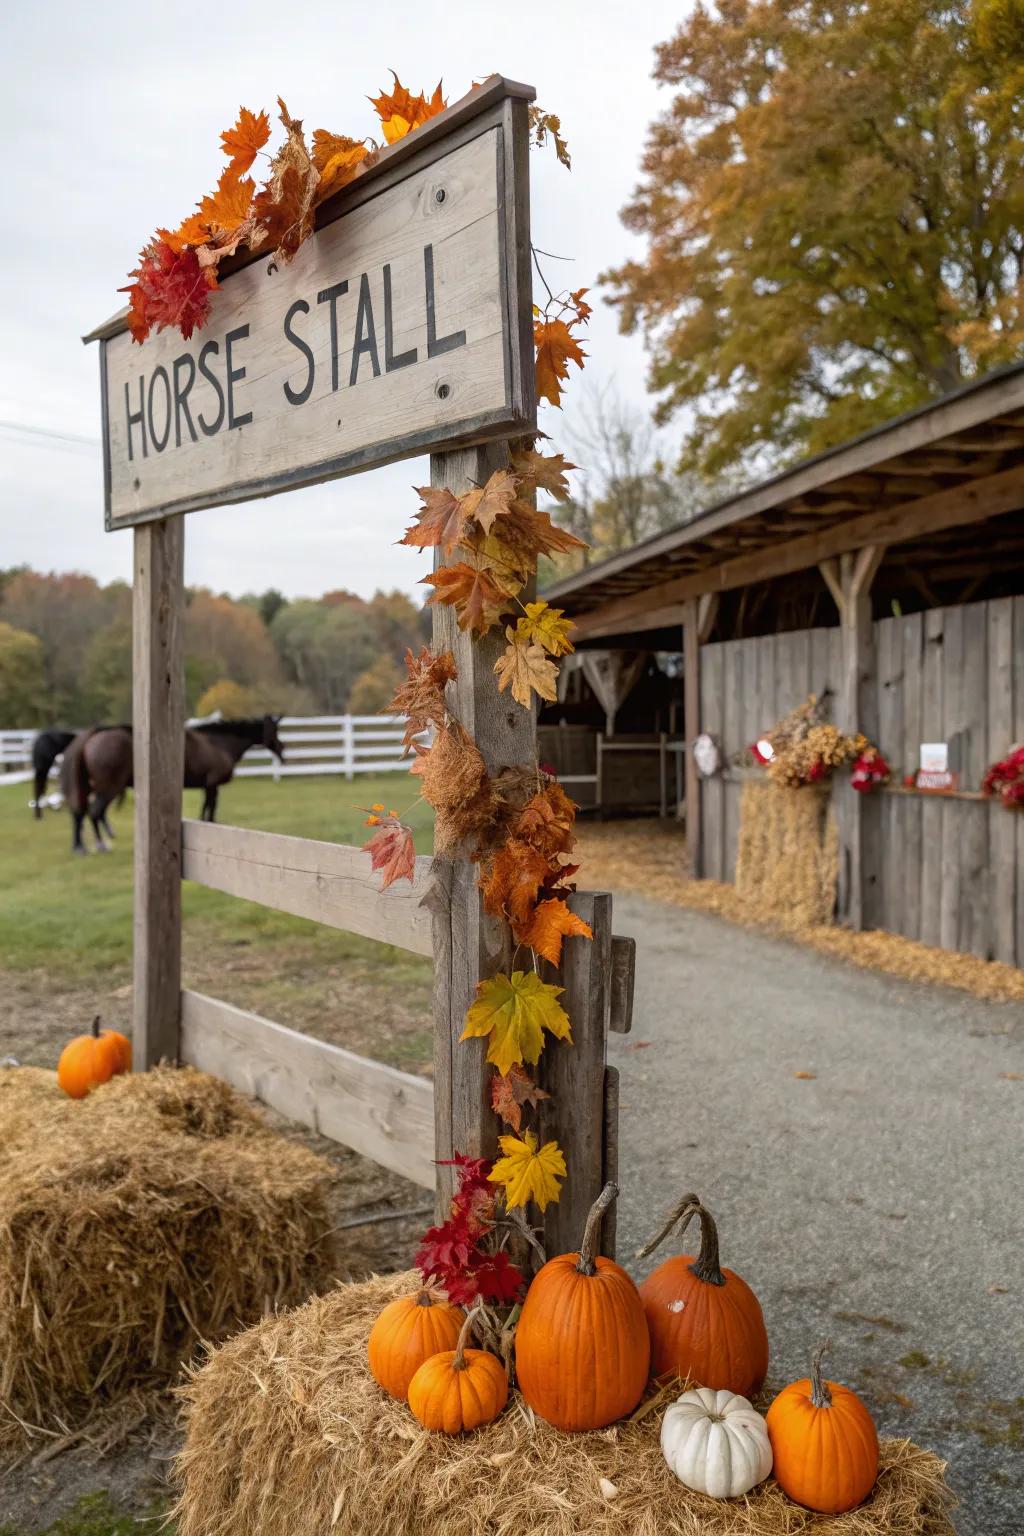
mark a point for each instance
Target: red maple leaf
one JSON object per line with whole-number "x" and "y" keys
{"x": 391, "y": 850}
{"x": 498, "y": 1280}
{"x": 171, "y": 288}
{"x": 511, "y": 1092}
{"x": 445, "y": 1249}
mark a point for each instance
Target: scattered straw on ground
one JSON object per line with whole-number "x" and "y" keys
{"x": 154, "y": 1213}
{"x": 288, "y": 1435}
{"x": 649, "y": 856}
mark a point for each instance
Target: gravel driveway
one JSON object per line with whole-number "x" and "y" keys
{"x": 878, "y": 1201}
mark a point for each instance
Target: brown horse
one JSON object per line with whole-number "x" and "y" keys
{"x": 98, "y": 766}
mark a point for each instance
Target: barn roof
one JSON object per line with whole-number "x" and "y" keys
{"x": 907, "y": 483}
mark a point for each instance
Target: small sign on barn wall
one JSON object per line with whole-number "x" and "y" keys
{"x": 392, "y": 330}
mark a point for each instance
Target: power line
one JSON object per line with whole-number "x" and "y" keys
{"x": 28, "y": 430}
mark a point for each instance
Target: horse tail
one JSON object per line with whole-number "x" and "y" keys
{"x": 75, "y": 773}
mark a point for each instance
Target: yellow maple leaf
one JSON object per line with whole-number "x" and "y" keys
{"x": 523, "y": 667}
{"x": 543, "y": 625}
{"x": 529, "y": 1172}
{"x": 513, "y": 1012}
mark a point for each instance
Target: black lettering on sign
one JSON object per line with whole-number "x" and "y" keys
{"x": 234, "y": 374}
{"x": 181, "y": 396}
{"x": 211, "y": 428}
{"x": 436, "y": 344}
{"x": 136, "y": 416}
{"x": 159, "y": 443}
{"x": 299, "y": 396}
{"x": 366, "y": 335}
{"x": 331, "y": 296}
{"x": 391, "y": 362}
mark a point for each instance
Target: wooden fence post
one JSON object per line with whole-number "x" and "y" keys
{"x": 858, "y": 816}
{"x": 158, "y": 693}
{"x": 468, "y": 945}
{"x": 699, "y": 616}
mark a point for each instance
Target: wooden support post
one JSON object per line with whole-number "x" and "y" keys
{"x": 858, "y": 816}
{"x": 158, "y": 693}
{"x": 469, "y": 945}
{"x": 698, "y": 621}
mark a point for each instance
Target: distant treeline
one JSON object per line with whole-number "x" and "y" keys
{"x": 65, "y": 650}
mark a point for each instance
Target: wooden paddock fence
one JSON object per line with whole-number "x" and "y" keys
{"x": 950, "y": 867}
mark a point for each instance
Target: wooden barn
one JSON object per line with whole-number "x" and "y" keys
{"x": 887, "y": 574}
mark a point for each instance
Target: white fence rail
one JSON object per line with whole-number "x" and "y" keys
{"x": 313, "y": 744}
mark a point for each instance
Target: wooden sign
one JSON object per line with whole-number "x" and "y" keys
{"x": 402, "y": 324}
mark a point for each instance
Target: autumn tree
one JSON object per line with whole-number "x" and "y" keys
{"x": 230, "y": 700}
{"x": 22, "y": 678}
{"x": 834, "y": 213}
{"x": 374, "y": 689}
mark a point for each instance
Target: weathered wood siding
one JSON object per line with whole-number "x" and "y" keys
{"x": 952, "y": 870}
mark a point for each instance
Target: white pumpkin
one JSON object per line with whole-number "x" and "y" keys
{"x": 716, "y": 1443}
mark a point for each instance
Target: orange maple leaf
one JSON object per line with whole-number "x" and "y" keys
{"x": 283, "y": 211}
{"x": 475, "y": 589}
{"x": 512, "y": 880}
{"x": 510, "y": 1091}
{"x": 484, "y": 503}
{"x": 547, "y": 821}
{"x": 551, "y": 922}
{"x": 518, "y": 538}
{"x": 543, "y": 472}
{"x": 400, "y": 112}
{"x": 556, "y": 348}
{"x": 243, "y": 142}
{"x": 392, "y": 851}
{"x": 439, "y": 522}
{"x": 421, "y": 697}
{"x": 338, "y": 159}
{"x": 227, "y": 210}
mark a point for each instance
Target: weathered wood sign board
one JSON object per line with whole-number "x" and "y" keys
{"x": 396, "y": 327}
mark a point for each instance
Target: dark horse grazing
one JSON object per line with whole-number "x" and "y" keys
{"x": 98, "y": 766}
{"x": 46, "y": 748}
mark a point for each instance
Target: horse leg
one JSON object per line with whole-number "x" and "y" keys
{"x": 77, "y": 846}
{"x": 97, "y": 813}
{"x": 210, "y": 803}
{"x": 40, "y": 787}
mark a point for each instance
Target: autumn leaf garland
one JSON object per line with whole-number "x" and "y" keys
{"x": 178, "y": 268}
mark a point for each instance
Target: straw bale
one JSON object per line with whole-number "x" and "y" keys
{"x": 154, "y": 1213}
{"x": 287, "y": 1434}
{"x": 787, "y": 856}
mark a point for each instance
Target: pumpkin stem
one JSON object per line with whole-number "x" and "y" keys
{"x": 706, "y": 1265}
{"x": 588, "y": 1247}
{"x": 95, "y": 1031}
{"x": 821, "y": 1397}
{"x": 459, "y": 1358}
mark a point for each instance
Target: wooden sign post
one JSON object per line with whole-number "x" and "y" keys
{"x": 402, "y": 325}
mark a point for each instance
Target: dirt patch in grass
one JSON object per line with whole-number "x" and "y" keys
{"x": 649, "y": 857}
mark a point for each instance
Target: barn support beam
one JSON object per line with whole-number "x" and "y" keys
{"x": 858, "y": 816}
{"x": 158, "y": 713}
{"x": 699, "y": 616}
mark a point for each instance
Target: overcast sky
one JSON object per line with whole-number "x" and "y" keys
{"x": 113, "y": 124}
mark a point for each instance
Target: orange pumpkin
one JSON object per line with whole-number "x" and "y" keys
{"x": 582, "y": 1350}
{"x": 704, "y": 1321}
{"x": 408, "y": 1332}
{"x": 459, "y": 1389}
{"x": 89, "y": 1060}
{"x": 824, "y": 1443}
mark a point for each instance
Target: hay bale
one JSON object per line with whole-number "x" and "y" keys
{"x": 154, "y": 1213}
{"x": 288, "y": 1435}
{"x": 787, "y": 855}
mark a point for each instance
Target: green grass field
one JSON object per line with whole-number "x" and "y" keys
{"x": 73, "y": 916}
{"x": 66, "y": 925}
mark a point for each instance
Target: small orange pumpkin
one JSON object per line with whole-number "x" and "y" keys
{"x": 582, "y": 1350}
{"x": 705, "y": 1322}
{"x": 824, "y": 1443}
{"x": 92, "y": 1059}
{"x": 408, "y": 1332}
{"x": 459, "y": 1389}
